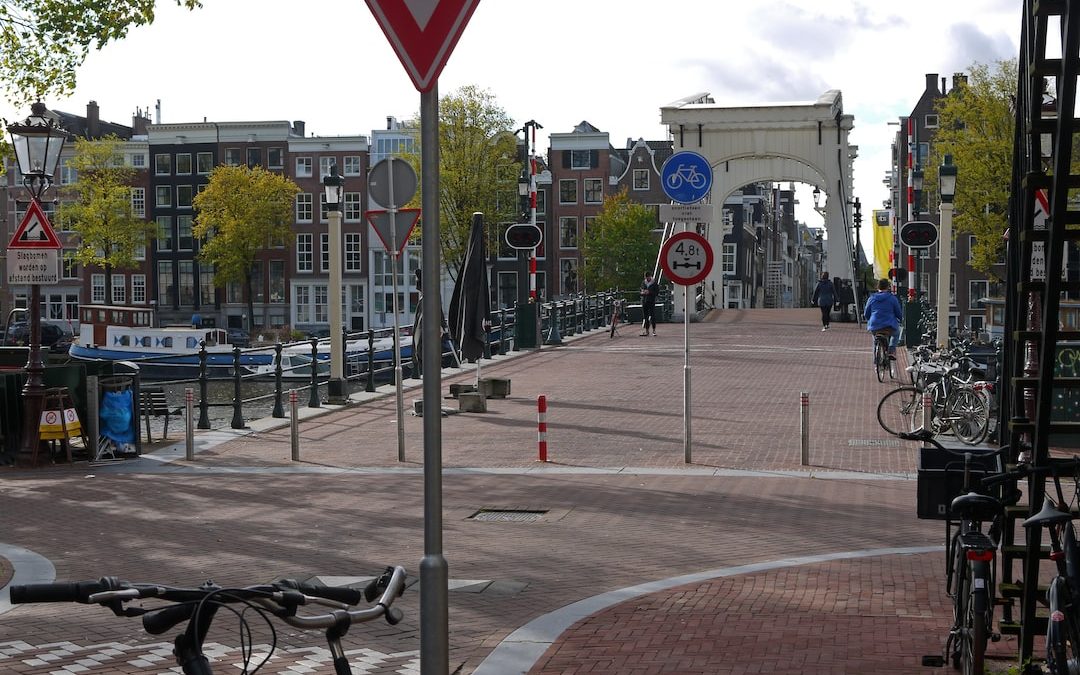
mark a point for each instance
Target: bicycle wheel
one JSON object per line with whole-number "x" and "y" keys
{"x": 968, "y": 415}
{"x": 1062, "y": 640}
{"x": 973, "y": 635}
{"x": 900, "y": 410}
{"x": 881, "y": 361}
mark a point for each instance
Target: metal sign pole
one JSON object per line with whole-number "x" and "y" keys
{"x": 395, "y": 259}
{"x": 434, "y": 604}
{"x": 686, "y": 376}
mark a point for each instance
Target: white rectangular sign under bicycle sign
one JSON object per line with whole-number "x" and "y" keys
{"x": 686, "y": 213}
{"x": 27, "y": 267}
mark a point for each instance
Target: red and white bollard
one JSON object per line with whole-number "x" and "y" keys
{"x": 927, "y": 412}
{"x": 804, "y": 427}
{"x": 541, "y": 427}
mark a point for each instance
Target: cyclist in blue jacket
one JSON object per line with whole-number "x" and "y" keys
{"x": 883, "y": 313}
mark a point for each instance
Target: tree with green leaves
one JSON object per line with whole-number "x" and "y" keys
{"x": 98, "y": 207}
{"x": 619, "y": 245}
{"x": 478, "y": 170}
{"x": 43, "y": 42}
{"x": 976, "y": 121}
{"x": 242, "y": 211}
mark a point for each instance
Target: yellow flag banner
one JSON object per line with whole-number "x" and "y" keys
{"x": 883, "y": 243}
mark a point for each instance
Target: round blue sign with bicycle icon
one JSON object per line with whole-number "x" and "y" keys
{"x": 686, "y": 177}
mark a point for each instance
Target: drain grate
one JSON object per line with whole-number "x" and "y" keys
{"x": 873, "y": 442}
{"x": 507, "y": 515}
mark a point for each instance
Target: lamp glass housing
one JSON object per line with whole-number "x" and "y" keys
{"x": 333, "y": 184}
{"x": 947, "y": 180}
{"x": 37, "y": 141}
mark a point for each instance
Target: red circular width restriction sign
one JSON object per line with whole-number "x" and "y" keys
{"x": 686, "y": 258}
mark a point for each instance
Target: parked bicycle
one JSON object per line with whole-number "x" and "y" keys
{"x": 1063, "y": 592}
{"x": 969, "y": 560}
{"x": 198, "y": 606}
{"x": 617, "y": 309}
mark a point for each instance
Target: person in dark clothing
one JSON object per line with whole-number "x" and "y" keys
{"x": 824, "y": 297}
{"x": 649, "y": 290}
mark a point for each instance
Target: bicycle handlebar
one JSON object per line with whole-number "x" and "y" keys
{"x": 928, "y": 436}
{"x": 1028, "y": 470}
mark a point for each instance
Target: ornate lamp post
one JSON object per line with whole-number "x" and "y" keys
{"x": 335, "y": 388}
{"x": 947, "y": 190}
{"x": 38, "y": 141}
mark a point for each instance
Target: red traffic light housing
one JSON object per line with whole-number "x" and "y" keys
{"x": 918, "y": 234}
{"x": 523, "y": 236}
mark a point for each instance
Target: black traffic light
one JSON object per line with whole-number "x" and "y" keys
{"x": 918, "y": 234}
{"x": 858, "y": 212}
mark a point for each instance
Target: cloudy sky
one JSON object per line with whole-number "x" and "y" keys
{"x": 611, "y": 62}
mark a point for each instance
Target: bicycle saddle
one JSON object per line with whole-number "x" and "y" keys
{"x": 1049, "y": 515}
{"x": 974, "y": 506}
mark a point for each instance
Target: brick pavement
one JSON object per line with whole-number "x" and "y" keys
{"x": 622, "y": 509}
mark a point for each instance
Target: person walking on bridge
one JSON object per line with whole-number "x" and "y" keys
{"x": 824, "y": 297}
{"x": 649, "y": 290}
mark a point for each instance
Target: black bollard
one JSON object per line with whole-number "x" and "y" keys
{"x": 502, "y": 330}
{"x": 370, "y": 386}
{"x": 204, "y": 394}
{"x": 237, "y": 411}
{"x": 313, "y": 391}
{"x": 279, "y": 408}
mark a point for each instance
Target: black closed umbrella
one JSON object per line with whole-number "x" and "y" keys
{"x": 469, "y": 308}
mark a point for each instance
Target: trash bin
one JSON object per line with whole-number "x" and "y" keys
{"x": 118, "y": 416}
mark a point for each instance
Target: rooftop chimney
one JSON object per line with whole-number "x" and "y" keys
{"x": 93, "y": 120}
{"x": 138, "y": 123}
{"x": 931, "y": 82}
{"x": 298, "y": 128}
{"x": 958, "y": 78}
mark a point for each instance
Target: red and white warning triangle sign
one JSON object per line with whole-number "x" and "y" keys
{"x": 423, "y": 33}
{"x": 34, "y": 231}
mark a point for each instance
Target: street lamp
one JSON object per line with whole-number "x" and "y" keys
{"x": 334, "y": 186}
{"x": 947, "y": 190}
{"x": 38, "y": 141}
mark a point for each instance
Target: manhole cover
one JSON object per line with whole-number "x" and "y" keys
{"x": 873, "y": 442}
{"x": 507, "y": 515}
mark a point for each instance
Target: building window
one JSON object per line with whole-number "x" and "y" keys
{"x": 97, "y": 289}
{"x": 304, "y": 260}
{"x": 165, "y": 284}
{"x": 324, "y": 252}
{"x": 568, "y": 191}
{"x": 302, "y": 300}
{"x": 162, "y": 164}
{"x": 971, "y": 248}
{"x": 952, "y": 290}
{"x": 325, "y": 164}
{"x": 581, "y": 159}
{"x": 185, "y": 238}
{"x": 324, "y": 212}
{"x": 977, "y": 290}
{"x": 68, "y": 174}
{"x": 119, "y": 285}
{"x": 277, "y": 281}
{"x": 138, "y": 202}
{"x": 931, "y": 122}
{"x": 728, "y": 259}
{"x": 321, "y": 307}
{"x": 354, "y": 252}
{"x": 183, "y": 196}
{"x": 568, "y": 275}
{"x": 568, "y": 232}
{"x": 183, "y": 163}
{"x": 274, "y": 158}
{"x": 258, "y": 282}
{"x": 232, "y": 156}
{"x": 206, "y": 285}
{"x": 163, "y": 196}
{"x": 165, "y": 233}
{"x": 594, "y": 190}
{"x": 69, "y": 266}
{"x": 204, "y": 162}
{"x": 138, "y": 160}
{"x": 187, "y": 283}
{"x": 507, "y": 289}
{"x": 303, "y": 167}
{"x": 541, "y": 201}
{"x": 254, "y": 157}
{"x": 303, "y": 207}
{"x": 641, "y": 179}
{"x": 138, "y": 289}
{"x": 351, "y": 214}
{"x": 352, "y": 165}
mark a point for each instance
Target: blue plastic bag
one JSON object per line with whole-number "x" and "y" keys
{"x": 115, "y": 416}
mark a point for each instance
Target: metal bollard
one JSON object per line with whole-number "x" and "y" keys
{"x": 313, "y": 393}
{"x": 189, "y": 423}
{"x": 294, "y": 425}
{"x": 804, "y": 426}
{"x": 279, "y": 410}
{"x": 927, "y": 411}
{"x": 370, "y": 385}
{"x": 238, "y": 402}
{"x": 541, "y": 428}
{"x": 204, "y": 391}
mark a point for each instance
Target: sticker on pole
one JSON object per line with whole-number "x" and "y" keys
{"x": 686, "y": 258}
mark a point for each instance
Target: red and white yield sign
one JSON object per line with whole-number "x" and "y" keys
{"x": 686, "y": 258}
{"x": 423, "y": 33}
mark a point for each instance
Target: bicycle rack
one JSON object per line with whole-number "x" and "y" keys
{"x": 1032, "y": 303}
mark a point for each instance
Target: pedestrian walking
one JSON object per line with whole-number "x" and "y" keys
{"x": 649, "y": 290}
{"x": 824, "y": 297}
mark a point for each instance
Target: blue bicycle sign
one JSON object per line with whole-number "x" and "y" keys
{"x": 686, "y": 177}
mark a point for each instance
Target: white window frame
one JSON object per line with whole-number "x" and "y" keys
{"x": 352, "y": 165}
{"x": 303, "y": 167}
{"x": 97, "y": 289}
{"x": 352, "y": 208}
{"x": 729, "y": 258}
{"x": 305, "y": 262}
{"x": 138, "y": 202}
{"x": 162, "y": 164}
{"x": 119, "y": 289}
{"x": 597, "y": 186}
{"x": 639, "y": 173}
{"x": 303, "y": 207}
{"x": 354, "y": 252}
{"x": 138, "y": 289}
{"x": 325, "y": 162}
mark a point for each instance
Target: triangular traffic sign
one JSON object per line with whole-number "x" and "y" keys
{"x": 402, "y": 223}
{"x": 422, "y": 33}
{"x": 34, "y": 231}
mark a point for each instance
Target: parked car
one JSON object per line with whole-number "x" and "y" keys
{"x": 56, "y": 338}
